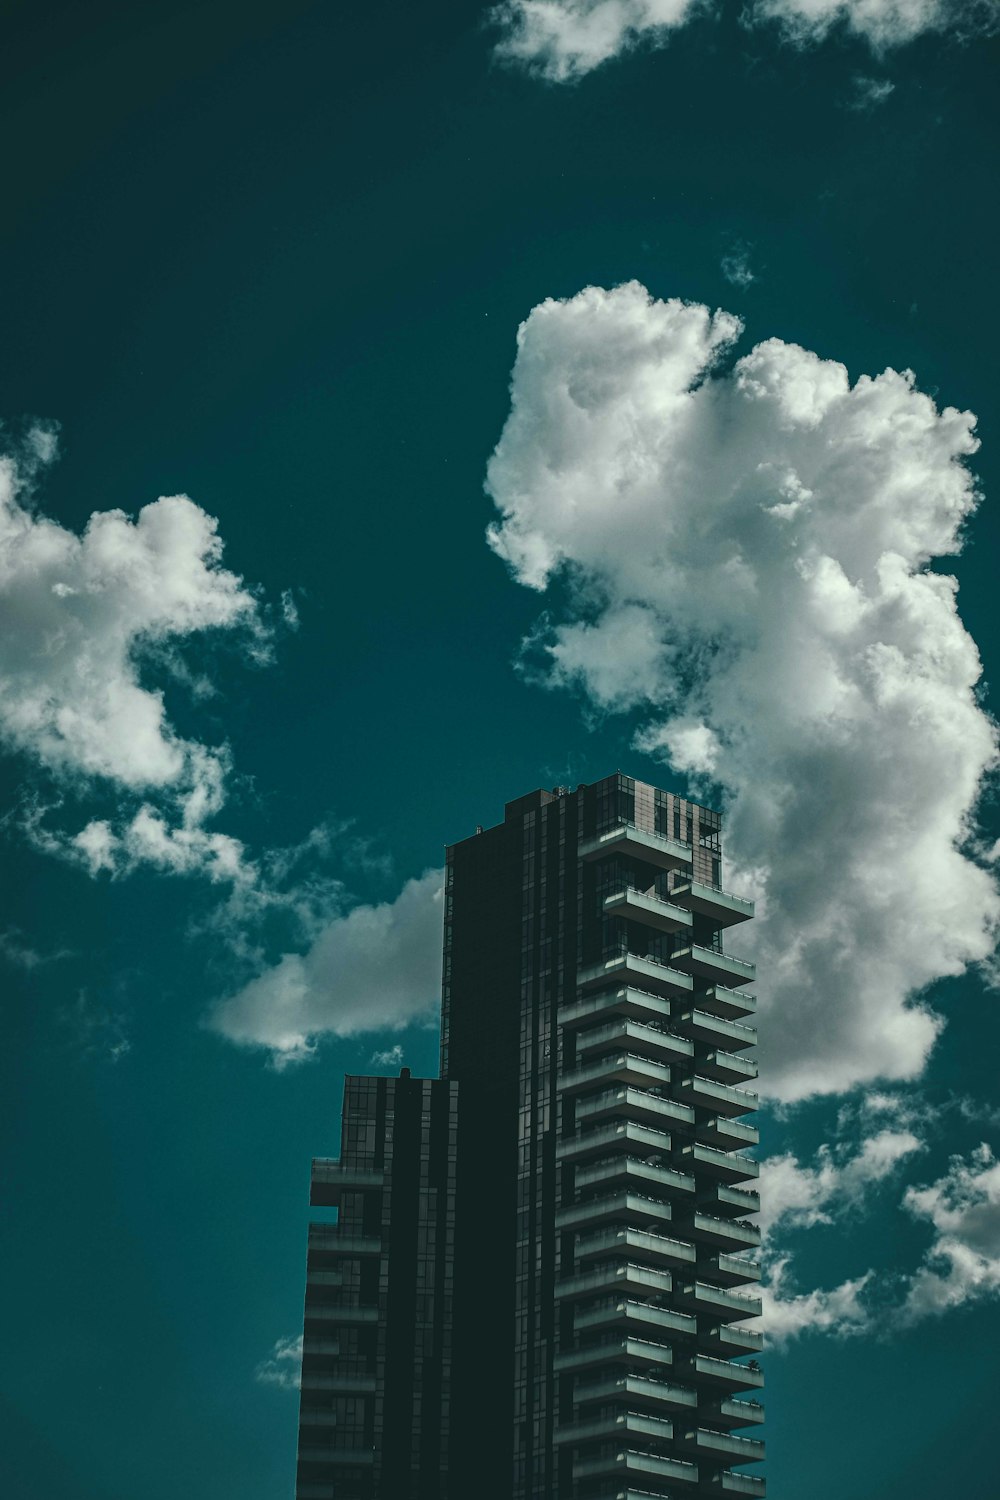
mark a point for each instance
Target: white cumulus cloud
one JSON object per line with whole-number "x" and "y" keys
{"x": 883, "y": 24}
{"x": 563, "y": 40}
{"x": 963, "y": 1262}
{"x": 375, "y": 968}
{"x": 79, "y": 617}
{"x": 794, "y": 1194}
{"x": 839, "y": 1311}
{"x": 764, "y": 536}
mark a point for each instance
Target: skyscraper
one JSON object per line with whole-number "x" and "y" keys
{"x": 376, "y": 1349}
{"x": 596, "y": 1033}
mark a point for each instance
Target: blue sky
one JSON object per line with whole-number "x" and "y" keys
{"x": 299, "y": 302}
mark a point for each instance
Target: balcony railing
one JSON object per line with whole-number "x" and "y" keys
{"x": 633, "y": 1170}
{"x": 614, "y": 1426}
{"x": 652, "y": 848}
{"x": 705, "y": 1027}
{"x": 651, "y": 911}
{"x": 627, "y": 1464}
{"x": 656, "y": 1041}
{"x": 635, "y": 1352}
{"x": 711, "y": 901}
{"x": 612, "y": 1209}
{"x": 620, "y": 1136}
{"x": 661, "y": 1395}
{"x": 714, "y": 966}
{"x": 637, "y": 1244}
{"x": 615, "y": 1278}
{"x": 638, "y": 971}
{"x": 620, "y": 1067}
{"x": 627, "y": 1000}
{"x": 330, "y": 1180}
{"x": 636, "y": 1104}
{"x": 727, "y": 1166}
{"x": 721, "y": 1000}
{"x": 717, "y": 1300}
{"x": 638, "y": 1315}
{"x": 722, "y": 1098}
{"x": 739, "y": 1450}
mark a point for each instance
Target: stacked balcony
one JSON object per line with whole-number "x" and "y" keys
{"x": 337, "y": 1350}
{"x": 655, "y": 1360}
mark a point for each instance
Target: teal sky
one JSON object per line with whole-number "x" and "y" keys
{"x": 274, "y": 257}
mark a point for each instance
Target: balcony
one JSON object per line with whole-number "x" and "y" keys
{"x": 634, "y": 1316}
{"x": 635, "y": 1036}
{"x": 635, "y": 843}
{"x": 614, "y": 1209}
{"x": 727, "y": 1483}
{"x": 726, "y": 1133}
{"x": 330, "y": 1180}
{"x": 319, "y": 1353}
{"x": 733, "y": 1450}
{"x": 336, "y": 1458}
{"x": 729, "y": 1201}
{"x": 634, "y": 1352}
{"x": 730, "y": 1270}
{"x": 729, "y": 1341}
{"x": 731, "y": 1413}
{"x": 627, "y": 1465}
{"x": 325, "y": 1239}
{"x": 340, "y": 1384}
{"x": 615, "y": 1427}
{"x": 639, "y": 1005}
{"x": 727, "y": 1067}
{"x": 638, "y": 1390}
{"x": 651, "y": 911}
{"x": 702, "y": 1026}
{"x": 707, "y": 1369}
{"x": 723, "y": 1165}
{"x": 634, "y": 1171}
{"x": 719, "y": 906}
{"x": 620, "y": 1067}
{"x": 332, "y": 1315}
{"x": 637, "y": 1244}
{"x": 635, "y": 972}
{"x": 317, "y": 1277}
{"x": 720, "y": 1098}
{"x": 713, "y": 967}
{"x": 716, "y": 1301}
{"x": 317, "y": 1416}
{"x": 615, "y": 1278}
{"x": 727, "y": 1234}
{"x": 730, "y": 1004}
{"x": 622, "y": 1136}
{"x": 633, "y": 1104}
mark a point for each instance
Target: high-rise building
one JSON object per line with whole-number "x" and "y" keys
{"x": 376, "y": 1348}
{"x": 595, "y": 1030}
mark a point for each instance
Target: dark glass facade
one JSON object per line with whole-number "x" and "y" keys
{"x": 597, "y": 1034}
{"x": 374, "y": 1414}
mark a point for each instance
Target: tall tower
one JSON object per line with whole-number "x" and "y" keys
{"x": 376, "y": 1353}
{"x": 598, "y": 1031}
{"x": 558, "y": 1309}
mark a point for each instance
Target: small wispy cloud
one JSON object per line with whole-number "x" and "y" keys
{"x": 736, "y": 266}
{"x": 868, "y": 93}
{"x": 96, "y": 1031}
{"x": 390, "y": 1058}
{"x": 283, "y": 1366}
{"x": 23, "y": 956}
